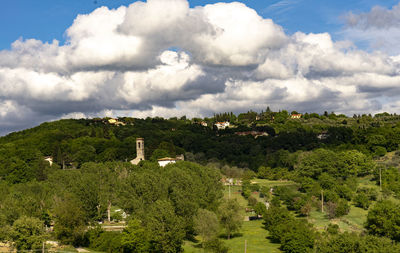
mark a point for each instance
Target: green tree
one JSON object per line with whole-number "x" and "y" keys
{"x": 362, "y": 200}
{"x": 69, "y": 220}
{"x": 260, "y": 208}
{"x": 230, "y": 218}
{"x": 166, "y": 229}
{"x": 28, "y": 233}
{"x": 351, "y": 242}
{"x": 206, "y": 225}
{"x": 384, "y": 220}
{"x": 135, "y": 238}
{"x": 299, "y": 237}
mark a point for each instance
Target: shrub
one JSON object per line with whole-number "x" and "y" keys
{"x": 343, "y": 208}
{"x": 331, "y": 209}
{"x": 254, "y": 187}
{"x": 252, "y": 201}
{"x": 332, "y": 229}
{"x": 298, "y": 238}
{"x": 306, "y": 209}
{"x": 362, "y": 200}
{"x": 216, "y": 245}
{"x": 383, "y": 220}
{"x": 260, "y": 208}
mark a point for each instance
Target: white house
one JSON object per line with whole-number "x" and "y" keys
{"x": 167, "y": 160}
{"x": 49, "y": 159}
{"x": 222, "y": 125}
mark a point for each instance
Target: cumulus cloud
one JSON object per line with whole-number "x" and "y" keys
{"x": 163, "y": 58}
{"x": 379, "y": 28}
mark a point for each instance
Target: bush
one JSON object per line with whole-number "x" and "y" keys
{"x": 248, "y": 174}
{"x": 331, "y": 196}
{"x": 342, "y": 208}
{"x": 371, "y": 193}
{"x": 306, "y": 209}
{"x": 216, "y": 245}
{"x": 352, "y": 242}
{"x": 332, "y": 229}
{"x": 362, "y": 200}
{"x": 344, "y": 192}
{"x": 260, "y": 208}
{"x": 105, "y": 241}
{"x": 246, "y": 193}
{"x": 254, "y": 187}
{"x": 331, "y": 209}
{"x": 298, "y": 238}
{"x": 275, "y": 201}
{"x": 28, "y": 233}
{"x": 379, "y": 151}
{"x": 337, "y": 209}
{"x": 252, "y": 201}
{"x": 384, "y": 219}
{"x": 265, "y": 192}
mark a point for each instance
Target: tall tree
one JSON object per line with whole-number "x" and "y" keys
{"x": 230, "y": 218}
{"x": 206, "y": 225}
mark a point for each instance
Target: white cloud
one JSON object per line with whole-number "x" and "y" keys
{"x": 379, "y": 28}
{"x": 163, "y": 58}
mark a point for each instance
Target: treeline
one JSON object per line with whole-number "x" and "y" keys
{"x": 71, "y": 143}
{"x": 160, "y": 202}
{"x": 326, "y": 155}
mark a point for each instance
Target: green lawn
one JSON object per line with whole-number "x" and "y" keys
{"x": 65, "y": 249}
{"x": 252, "y": 232}
{"x": 271, "y": 183}
{"x": 352, "y": 222}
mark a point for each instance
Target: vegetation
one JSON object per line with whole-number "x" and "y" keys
{"x": 299, "y": 177}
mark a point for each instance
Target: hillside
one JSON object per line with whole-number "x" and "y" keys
{"x": 318, "y": 174}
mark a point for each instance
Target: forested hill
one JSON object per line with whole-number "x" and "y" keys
{"x": 277, "y": 142}
{"x": 300, "y": 165}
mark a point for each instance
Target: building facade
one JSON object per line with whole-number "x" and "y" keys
{"x": 139, "y": 151}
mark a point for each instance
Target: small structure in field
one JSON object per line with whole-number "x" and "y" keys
{"x": 323, "y": 135}
{"x": 49, "y": 159}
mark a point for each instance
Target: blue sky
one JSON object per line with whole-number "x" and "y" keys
{"x": 48, "y": 19}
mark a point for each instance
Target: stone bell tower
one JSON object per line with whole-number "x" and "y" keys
{"x": 139, "y": 151}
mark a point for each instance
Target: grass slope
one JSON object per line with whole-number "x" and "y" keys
{"x": 252, "y": 231}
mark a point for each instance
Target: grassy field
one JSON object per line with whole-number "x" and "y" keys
{"x": 352, "y": 222}
{"x": 271, "y": 183}
{"x": 252, "y": 232}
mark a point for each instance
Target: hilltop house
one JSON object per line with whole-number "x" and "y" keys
{"x": 115, "y": 122}
{"x": 167, "y": 160}
{"x": 222, "y": 125}
{"x": 296, "y": 116}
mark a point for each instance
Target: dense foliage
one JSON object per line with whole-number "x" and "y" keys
{"x": 325, "y": 155}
